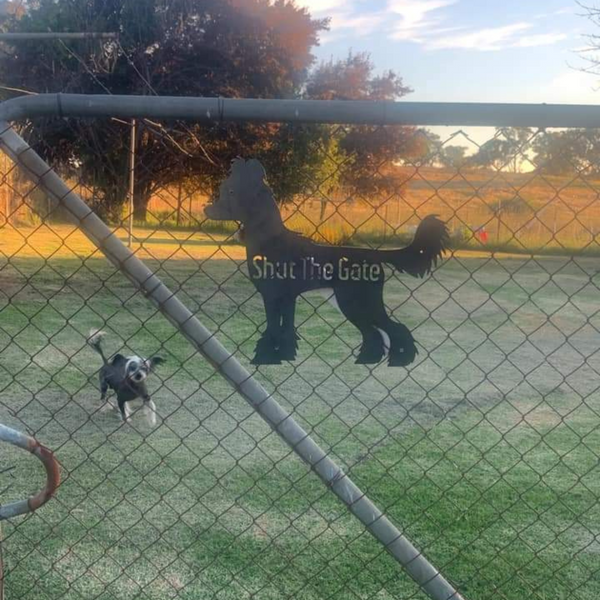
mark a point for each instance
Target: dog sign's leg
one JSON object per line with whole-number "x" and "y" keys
{"x": 288, "y": 344}
{"x": 267, "y": 347}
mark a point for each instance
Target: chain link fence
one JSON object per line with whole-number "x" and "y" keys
{"x": 483, "y": 452}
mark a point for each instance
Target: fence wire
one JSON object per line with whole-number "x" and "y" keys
{"x": 484, "y": 451}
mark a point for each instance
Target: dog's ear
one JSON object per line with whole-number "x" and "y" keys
{"x": 155, "y": 361}
{"x": 117, "y": 359}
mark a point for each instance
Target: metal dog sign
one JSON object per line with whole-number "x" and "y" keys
{"x": 283, "y": 264}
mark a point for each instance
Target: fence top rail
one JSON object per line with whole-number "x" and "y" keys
{"x": 460, "y": 114}
{"x": 57, "y": 35}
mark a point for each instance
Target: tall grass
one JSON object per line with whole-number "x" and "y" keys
{"x": 523, "y": 212}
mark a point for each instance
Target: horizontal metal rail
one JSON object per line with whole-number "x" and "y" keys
{"x": 57, "y": 35}
{"x": 209, "y": 110}
{"x": 20, "y": 507}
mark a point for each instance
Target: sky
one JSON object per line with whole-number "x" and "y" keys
{"x": 469, "y": 50}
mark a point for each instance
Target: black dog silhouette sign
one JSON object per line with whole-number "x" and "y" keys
{"x": 283, "y": 264}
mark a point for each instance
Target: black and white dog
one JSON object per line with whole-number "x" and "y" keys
{"x": 126, "y": 375}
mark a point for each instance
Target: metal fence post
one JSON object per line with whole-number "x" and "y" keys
{"x": 133, "y": 133}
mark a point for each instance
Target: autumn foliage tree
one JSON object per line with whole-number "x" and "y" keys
{"x": 506, "y": 150}
{"x": 368, "y": 150}
{"x": 228, "y": 48}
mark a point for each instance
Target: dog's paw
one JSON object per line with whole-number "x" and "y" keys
{"x": 401, "y": 357}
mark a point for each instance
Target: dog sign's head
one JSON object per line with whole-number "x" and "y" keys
{"x": 246, "y": 178}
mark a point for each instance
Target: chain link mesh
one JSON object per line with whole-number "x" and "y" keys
{"x": 484, "y": 451}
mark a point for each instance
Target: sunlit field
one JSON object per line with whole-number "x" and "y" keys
{"x": 521, "y": 212}
{"x": 484, "y": 452}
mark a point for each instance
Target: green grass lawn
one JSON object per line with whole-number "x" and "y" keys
{"x": 485, "y": 452}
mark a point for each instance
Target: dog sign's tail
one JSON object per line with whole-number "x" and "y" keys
{"x": 95, "y": 338}
{"x": 430, "y": 242}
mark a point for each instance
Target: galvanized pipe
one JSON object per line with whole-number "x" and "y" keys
{"x": 419, "y": 568}
{"x": 57, "y": 35}
{"x": 214, "y": 110}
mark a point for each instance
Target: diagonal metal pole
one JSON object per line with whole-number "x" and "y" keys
{"x": 418, "y": 567}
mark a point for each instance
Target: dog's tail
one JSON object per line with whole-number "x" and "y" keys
{"x": 422, "y": 254}
{"x": 95, "y": 338}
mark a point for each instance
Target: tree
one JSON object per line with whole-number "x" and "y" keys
{"x": 430, "y": 149}
{"x": 568, "y": 151}
{"x": 519, "y": 142}
{"x": 453, "y": 157}
{"x": 367, "y": 149}
{"x": 493, "y": 153}
{"x": 589, "y": 53}
{"x": 506, "y": 149}
{"x": 231, "y": 48}
{"x": 9, "y": 10}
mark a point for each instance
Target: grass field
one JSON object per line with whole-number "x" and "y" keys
{"x": 484, "y": 452}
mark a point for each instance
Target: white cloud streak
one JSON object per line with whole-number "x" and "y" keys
{"x": 316, "y": 7}
{"x": 364, "y": 24}
{"x": 541, "y": 39}
{"x": 495, "y": 38}
{"x": 414, "y": 18}
{"x": 483, "y": 39}
{"x": 424, "y": 22}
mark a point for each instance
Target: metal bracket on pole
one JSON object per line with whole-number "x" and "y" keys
{"x": 21, "y": 507}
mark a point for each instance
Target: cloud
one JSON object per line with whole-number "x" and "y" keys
{"x": 344, "y": 15}
{"x": 315, "y": 7}
{"x": 495, "y": 38}
{"x": 424, "y": 22}
{"x": 364, "y": 24}
{"x": 572, "y": 87}
{"x": 344, "y": 18}
{"x": 582, "y": 49}
{"x": 484, "y": 39}
{"x": 415, "y": 18}
{"x": 561, "y": 11}
{"x": 542, "y": 39}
